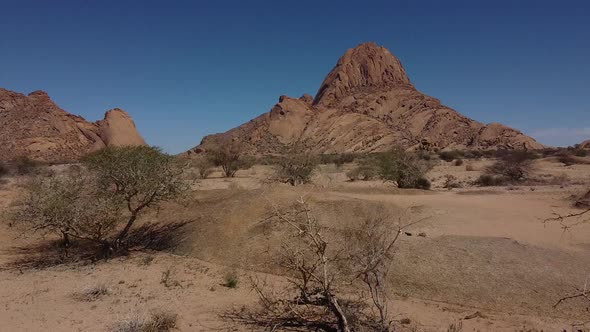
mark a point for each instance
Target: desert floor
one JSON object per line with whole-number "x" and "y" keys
{"x": 488, "y": 259}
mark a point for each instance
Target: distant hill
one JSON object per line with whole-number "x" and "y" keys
{"x": 367, "y": 103}
{"x": 34, "y": 126}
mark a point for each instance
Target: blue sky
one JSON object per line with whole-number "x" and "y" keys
{"x": 184, "y": 69}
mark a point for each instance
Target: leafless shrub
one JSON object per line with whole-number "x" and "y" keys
{"x": 451, "y": 182}
{"x": 321, "y": 269}
{"x": 455, "y": 327}
{"x": 159, "y": 321}
{"x": 469, "y": 168}
{"x": 204, "y": 166}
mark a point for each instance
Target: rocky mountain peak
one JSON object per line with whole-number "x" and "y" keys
{"x": 367, "y": 65}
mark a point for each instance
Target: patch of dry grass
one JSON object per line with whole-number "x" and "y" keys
{"x": 158, "y": 321}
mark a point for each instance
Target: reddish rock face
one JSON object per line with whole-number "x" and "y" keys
{"x": 367, "y": 104}
{"x": 35, "y": 127}
{"x": 585, "y": 145}
{"x": 363, "y": 67}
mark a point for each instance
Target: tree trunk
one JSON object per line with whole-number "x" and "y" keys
{"x": 337, "y": 310}
{"x": 125, "y": 230}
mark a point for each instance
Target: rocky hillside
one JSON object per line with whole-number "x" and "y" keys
{"x": 585, "y": 145}
{"x": 367, "y": 103}
{"x": 35, "y": 127}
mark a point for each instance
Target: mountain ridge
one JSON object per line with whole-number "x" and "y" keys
{"x": 367, "y": 103}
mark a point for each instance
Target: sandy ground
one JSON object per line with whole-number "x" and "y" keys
{"x": 486, "y": 250}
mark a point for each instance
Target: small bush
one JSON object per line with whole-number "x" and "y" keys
{"x": 161, "y": 321}
{"x": 451, "y": 182}
{"x": 422, "y": 183}
{"x": 469, "y": 168}
{"x": 449, "y": 156}
{"x": 231, "y": 280}
{"x": 92, "y": 293}
{"x": 515, "y": 166}
{"x": 364, "y": 172}
{"x": 458, "y": 162}
{"x": 3, "y": 170}
{"x": 204, "y": 167}
{"x": 580, "y": 153}
{"x": 403, "y": 168}
{"x": 25, "y": 166}
{"x": 231, "y": 159}
{"x": 486, "y": 180}
{"x": 295, "y": 168}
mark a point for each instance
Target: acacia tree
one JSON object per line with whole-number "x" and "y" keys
{"x": 68, "y": 205}
{"x": 140, "y": 177}
{"x": 295, "y": 166}
{"x": 230, "y": 157}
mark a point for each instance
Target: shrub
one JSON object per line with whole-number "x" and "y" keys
{"x": 204, "y": 167}
{"x": 160, "y": 321}
{"x": 488, "y": 181}
{"x": 91, "y": 293}
{"x": 119, "y": 184}
{"x": 231, "y": 159}
{"x": 449, "y": 156}
{"x": 515, "y": 166}
{"x": 451, "y": 182}
{"x": 3, "y": 170}
{"x": 566, "y": 159}
{"x": 422, "y": 183}
{"x": 231, "y": 280}
{"x": 458, "y": 162}
{"x": 403, "y": 168}
{"x": 363, "y": 172}
{"x": 469, "y": 168}
{"x": 295, "y": 168}
{"x": 580, "y": 153}
{"x": 25, "y": 166}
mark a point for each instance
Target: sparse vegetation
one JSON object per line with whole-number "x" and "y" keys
{"x": 25, "y": 165}
{"x": 295, "y": 167}
{"x": 231, "y": 280}
{"x": 449, "y": 156}
{"x": 230, "y": 158}
{"x": 159, "y": 321}
{"x": 204, "y": 166}
{"x": 514, "y": 167}
{"x": 3, "y": 170}
{"x": 92, "y": 293}
{"x": 451, "y": 182}
{"x": 366, "y": 171}
{"x": 320, "y": 269}
{"x": 403, "y": 168}
{"x": 119, "y": 184}
{"x": 486, "y": 180}
{"x": 458, "y": 162}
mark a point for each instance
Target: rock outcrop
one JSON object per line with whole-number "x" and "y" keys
{"x": 585, "y": 145}
{"x": 367, "y": 103}
{"x": 34, "y": 126}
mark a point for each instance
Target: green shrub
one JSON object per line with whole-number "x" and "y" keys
{"x": 513, "y": 166}
{"x": 230, "y": 158}
{"x": 231, "y": 280}
{"x": 403, "y": 168}
{"x": 296, "y": 168}
{"x": 422, "y": 183}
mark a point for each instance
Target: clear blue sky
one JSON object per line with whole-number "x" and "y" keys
{"x": 184, "y": 69}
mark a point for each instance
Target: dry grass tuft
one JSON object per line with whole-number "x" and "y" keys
{"x": 91, "y": 293}
{"x": 159, "y": 321}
